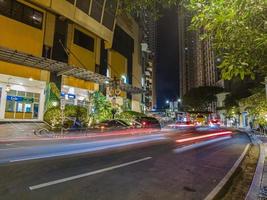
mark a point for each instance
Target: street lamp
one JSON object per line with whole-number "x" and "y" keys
{"x": 167, "y": 101}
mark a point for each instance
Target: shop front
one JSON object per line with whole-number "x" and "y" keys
{"x": 75, "y": 96}
{"x": 21, "y": 99}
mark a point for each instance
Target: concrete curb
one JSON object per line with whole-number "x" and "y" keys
{"x": 255, "y": 186}
{"x": 222, "y": 183}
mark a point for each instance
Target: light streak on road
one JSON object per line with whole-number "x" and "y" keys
{"x": 204, "y": 136}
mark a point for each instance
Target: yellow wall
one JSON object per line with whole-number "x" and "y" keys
{"x": 86, "y": 59}
{"x": 74, "y": 82}
{"x": 49, "y": 29}
{"x": 22, "y": 37}
{"x": 69, "y": 11}
{"x": 129, "y": 25}
{"x": 118, "y": 64}
{"x": 23, "y": 71}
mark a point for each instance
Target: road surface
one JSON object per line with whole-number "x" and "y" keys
{"x": 154, "y": 171}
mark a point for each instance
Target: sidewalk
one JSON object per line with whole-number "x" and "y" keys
{"x": 258, "y": 188}
{"x": 263, "y": 187}
{"x": 12, "y": 130}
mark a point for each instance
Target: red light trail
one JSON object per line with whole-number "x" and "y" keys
{"x": 204, "y": 136}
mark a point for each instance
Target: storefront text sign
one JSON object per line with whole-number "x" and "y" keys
{"x": 19, "y": 99}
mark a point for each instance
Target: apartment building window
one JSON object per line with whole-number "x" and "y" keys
{"x": 21, "y": 13}
{"x": 83, "y": 40}
{"x": 83, "y": 5}
{"x": 71, "y": 1}
{"x": 96, "y": 10}
{"x": 109, "y": 14}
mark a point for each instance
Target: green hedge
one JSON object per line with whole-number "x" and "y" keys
{"x": 53, "y": 116}
{"x": 129, "y": 116}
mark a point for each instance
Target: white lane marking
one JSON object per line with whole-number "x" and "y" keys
{"x": 94, "y": 149}
{"x": 8, "y": 149}
{"x": 197, "y": 145}
{"x": 87, "y": 174}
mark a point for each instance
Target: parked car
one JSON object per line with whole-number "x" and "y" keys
{"x": 112, "y": 124}
{"x": 148, "y": 122}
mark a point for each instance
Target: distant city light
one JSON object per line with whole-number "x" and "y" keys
{"x": 167, "y": 101}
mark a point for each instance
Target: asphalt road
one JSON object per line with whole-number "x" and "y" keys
{"x": 155, "y": 171}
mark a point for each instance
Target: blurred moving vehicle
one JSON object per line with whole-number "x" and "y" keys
{"x": 214, "y": 123}
{"x": 148, "y": 122}
{"x": 200, "y": 120}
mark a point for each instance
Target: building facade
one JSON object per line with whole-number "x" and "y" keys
{"x": 78, "y": 45}
{"x": 196, "y": 57}
{"x": 148, "y": 32}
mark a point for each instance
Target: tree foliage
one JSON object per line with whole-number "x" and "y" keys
{"x": 150, "y": 6}
{"x": 238, "y": 29}
{"x": 200, "y": 98}
{"x": 256, "y": 105}
{"x": 101, "y": 107}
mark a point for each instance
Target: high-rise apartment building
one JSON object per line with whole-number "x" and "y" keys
{"x": 148, "y": 25}
{"x": 196, "y": 56}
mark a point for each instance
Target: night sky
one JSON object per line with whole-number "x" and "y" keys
{"x": 167, "y": 69}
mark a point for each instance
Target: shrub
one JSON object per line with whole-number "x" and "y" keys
{"x": 53, "y": 116}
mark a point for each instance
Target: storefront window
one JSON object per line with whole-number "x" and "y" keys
{"x": 12, "y": 92}
{"x": 19, "y": 107}
{"x": 21, "y": 94}
{"x": 22, "y": 105}
{"x": 10, "y": 105}
{"x": 28, "y": 108}
{"x": 35, "y": 110}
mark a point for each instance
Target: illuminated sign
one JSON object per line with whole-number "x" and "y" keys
{"x": 19, "y": 99}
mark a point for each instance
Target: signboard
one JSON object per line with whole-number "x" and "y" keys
{"x": 70, "y": 96}
{"x": 20, "y": 99}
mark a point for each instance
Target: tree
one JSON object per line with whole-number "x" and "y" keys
{"x": 151, "y": 6}
{"x": 102, "y": 108}
{"x": 200, "y": 98}
{"x": 256, "y": 105}
{"x": 238, "y": 29}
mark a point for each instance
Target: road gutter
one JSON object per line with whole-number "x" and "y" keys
{"x": 223, "y": 182}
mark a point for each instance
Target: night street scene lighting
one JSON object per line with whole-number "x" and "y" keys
{"x": 133, "y": 100}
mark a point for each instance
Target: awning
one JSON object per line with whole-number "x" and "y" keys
{"x": 61, "y": 68}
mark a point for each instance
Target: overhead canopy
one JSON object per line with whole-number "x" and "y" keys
{"x": 60, "y": 68}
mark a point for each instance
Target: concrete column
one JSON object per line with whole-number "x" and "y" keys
{"x": 41, "y": 105}
{"x": 3, "y": 102}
